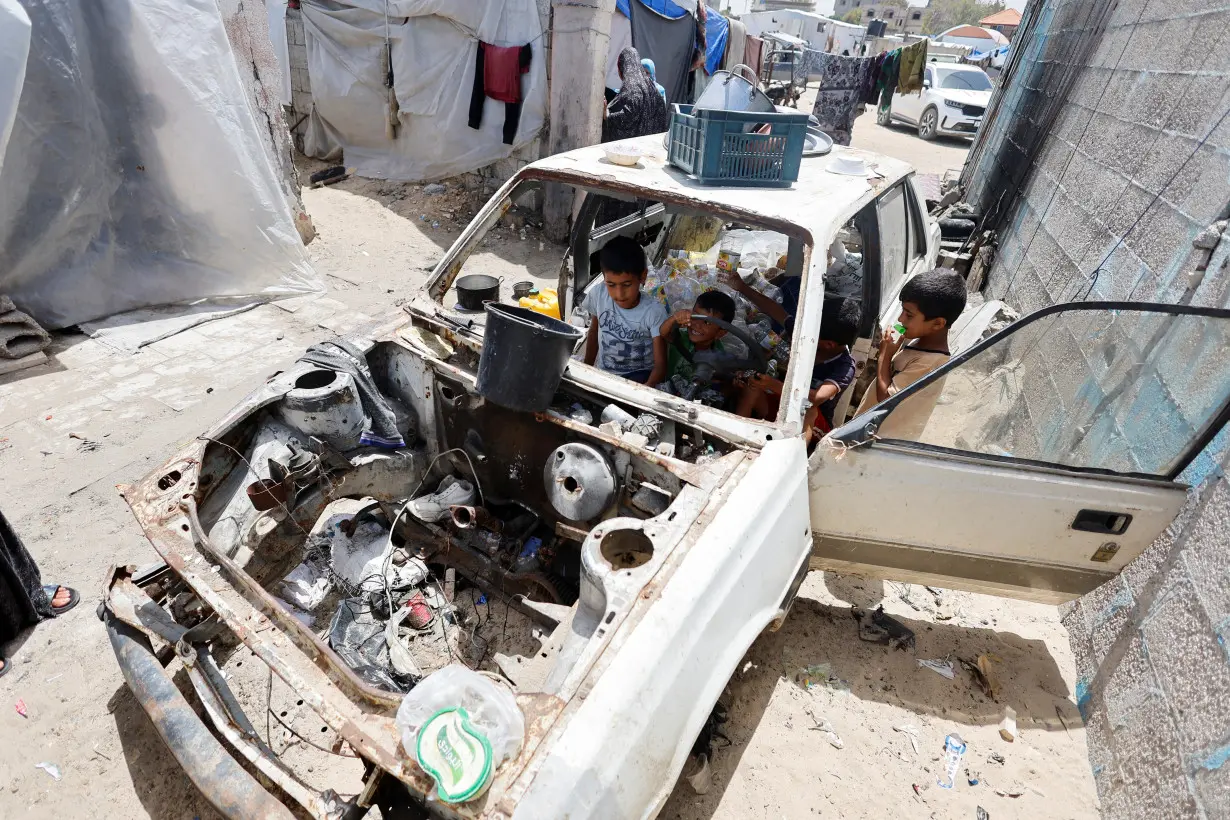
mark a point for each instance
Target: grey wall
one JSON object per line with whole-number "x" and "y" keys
{"x": 1109, "y": 154}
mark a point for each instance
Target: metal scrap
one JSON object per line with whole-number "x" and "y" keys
{"x": 877, "y": 627}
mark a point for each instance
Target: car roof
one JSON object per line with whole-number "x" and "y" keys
{"x": 813, "y": 208}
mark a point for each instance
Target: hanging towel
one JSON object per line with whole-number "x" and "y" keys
{"x": 342, "y": 356}
{"x": 497, "y": 74}
{"x": 669, "y": 43}
{"x": 753, "y": 54}
{"x": 736, "y": 45}
{"x": 888, "y": 78}
{"x": 913, "y": 62}
{"x": 840, "y": 98}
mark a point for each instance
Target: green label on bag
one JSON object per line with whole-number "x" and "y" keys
{"x": 455, "y": 754}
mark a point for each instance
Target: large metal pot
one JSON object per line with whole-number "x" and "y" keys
{"x": 476, "y": 289}
{"x": 728, "y": 91}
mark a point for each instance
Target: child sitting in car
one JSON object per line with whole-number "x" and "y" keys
{"x": 832, "y": 372}
{"x": 694, "y": 347}
{"x": 624, "y": 325}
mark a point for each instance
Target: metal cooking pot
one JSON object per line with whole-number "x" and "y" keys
{"x": 475, "y": 289}
{"x": 728, "y": 91}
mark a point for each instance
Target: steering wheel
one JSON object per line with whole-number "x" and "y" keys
{"x": 756, "y": 359}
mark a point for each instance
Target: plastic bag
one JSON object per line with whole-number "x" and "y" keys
{"x": 491, "y": 709}
{"x": 758, "y": 249}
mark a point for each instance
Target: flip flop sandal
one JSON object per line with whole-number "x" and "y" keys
{"x": 73, "y": 598}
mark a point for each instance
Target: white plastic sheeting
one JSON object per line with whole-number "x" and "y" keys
{"x": 14, "y": 45}
{"x": 434, "y": 43}
{"x": 135, "y": 174}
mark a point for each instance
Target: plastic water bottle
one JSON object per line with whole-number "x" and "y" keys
{"x": 954, "y": 751}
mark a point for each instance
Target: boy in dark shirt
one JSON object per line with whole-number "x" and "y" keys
{"x": 832, "y": 372}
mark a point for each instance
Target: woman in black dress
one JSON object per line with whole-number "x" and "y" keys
{"x": 24, "y": 599}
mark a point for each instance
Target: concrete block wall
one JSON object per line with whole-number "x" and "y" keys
{"x": 300, "y": 81}
{"x": 1153, "y": 673}
{"x": 1115, "y": 129}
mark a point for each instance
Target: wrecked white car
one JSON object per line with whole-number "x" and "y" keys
{"x": 606, "y": 577}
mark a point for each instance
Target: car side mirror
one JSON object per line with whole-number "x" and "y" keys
{"x": 926, "y": 83}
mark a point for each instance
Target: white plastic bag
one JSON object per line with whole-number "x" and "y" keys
{"x": 491, "y": 709}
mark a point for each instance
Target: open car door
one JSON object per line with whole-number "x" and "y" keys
{"x": 1038, "y": 463}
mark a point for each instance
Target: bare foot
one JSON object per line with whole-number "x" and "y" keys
{"x": 62, "y": 597}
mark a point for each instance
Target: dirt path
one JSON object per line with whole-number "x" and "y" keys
{"x": 376, "y": 242}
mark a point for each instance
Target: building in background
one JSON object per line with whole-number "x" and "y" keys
{"x": 1005, "y": 22}
{"x": 1104, "y": 165}
{"x": 898, "y": 18}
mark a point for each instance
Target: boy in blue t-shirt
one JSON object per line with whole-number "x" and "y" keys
{"x": 624, "y": 327}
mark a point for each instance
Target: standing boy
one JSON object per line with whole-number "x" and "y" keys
{"x": 930, "y": 303}
{"x": 624, "y": 326}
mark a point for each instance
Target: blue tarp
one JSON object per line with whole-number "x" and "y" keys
{"x": 664, "y": 7}
{"x": 717, "y": 30}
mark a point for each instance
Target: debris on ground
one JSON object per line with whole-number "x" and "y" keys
{"x": 1007, "y": 724}
{"x": 702, "y": 779}
{"x": 972, "y": 778}
{"x": 940, "y": 667}
{"x": 818, "y": 675}
{"x": 983, "y": 672}
{"x": 826, "y": 728}
{"x": 51, "y": 769}
{"x": 982, "y": 814}
{"x": 910, "y": 732}
{"x": 954, "y": 752}
{"x": 995, "y": 757}
{"x": 877, "y": 627}
{"x": 20, "y": 705}
{"x": 434, "y": 189}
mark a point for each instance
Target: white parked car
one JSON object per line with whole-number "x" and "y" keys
{"x": 951, "y": 103}
{"x": 655, "y": 564}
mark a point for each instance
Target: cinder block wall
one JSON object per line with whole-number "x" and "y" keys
{"x": 1137, "y": 163}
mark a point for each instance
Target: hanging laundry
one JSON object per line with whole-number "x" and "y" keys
{"x": 913, "y": 62}
{"x": 843, "y": 82}
{"x": 497, "y": 74}
{"x": 753, "y": 54}
{"x": 669, "y": 43}
{"x": 871, "y": 90}
{"x": 888, "y": 78}
{"x": 736, "y": 45}
{"x": 717, "y": 35}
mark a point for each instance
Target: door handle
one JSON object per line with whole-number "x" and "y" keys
{"x": 1102, "y": 522}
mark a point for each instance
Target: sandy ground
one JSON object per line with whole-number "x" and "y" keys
{"x": 376, "y": 241}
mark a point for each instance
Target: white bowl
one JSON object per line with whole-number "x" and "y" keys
{"x": 847, "y": 166}
{"x": 623, "y": 153}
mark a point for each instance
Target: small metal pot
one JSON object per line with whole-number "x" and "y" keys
{"x": 476, "y": 289}
{"x": 522, "y": 289}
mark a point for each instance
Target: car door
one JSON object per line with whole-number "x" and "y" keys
{"x": 909, "y": 106}
{"x": 1038, "y": 463}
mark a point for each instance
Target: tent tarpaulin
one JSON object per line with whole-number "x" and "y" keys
{"x": 434, "y": 44}
{"x": 135, "y": 174}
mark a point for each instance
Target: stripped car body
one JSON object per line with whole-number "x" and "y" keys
{"x": 667, "y": 600}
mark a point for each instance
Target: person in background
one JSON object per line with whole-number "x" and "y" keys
{"x": 638, "y": 109}
{"x": 24, "y": 598}
{"x": 930, "y": 303}
{"x": 653, "y": 75}
{"x": 625, "y": 324}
